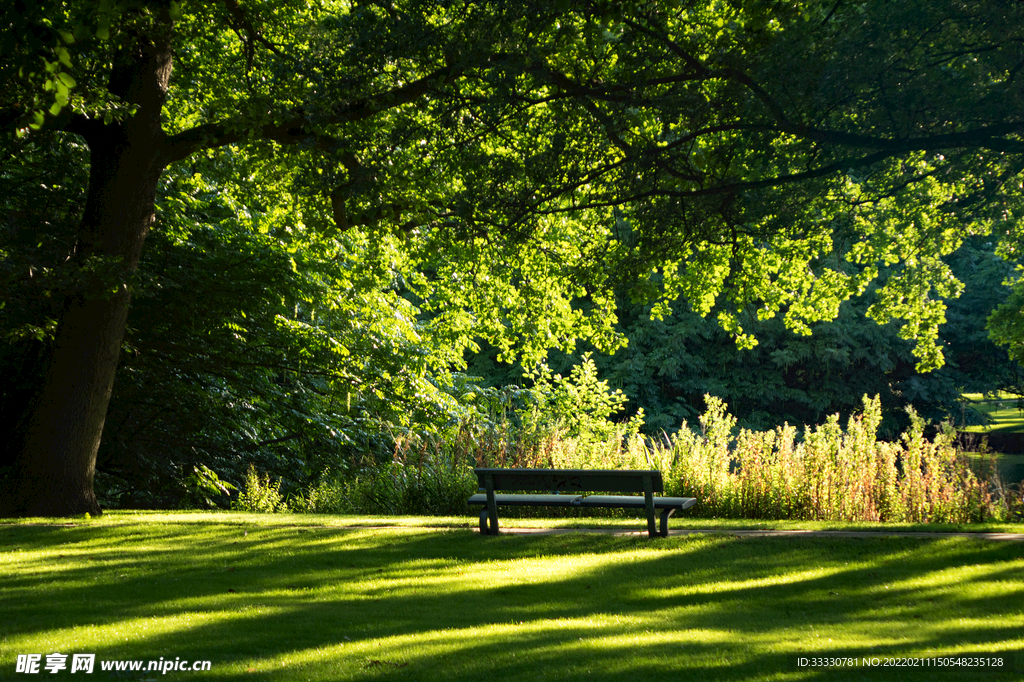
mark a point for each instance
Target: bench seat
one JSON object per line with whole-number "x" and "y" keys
{"x": 531, "y": 500}
{"x": 637, "y": 502}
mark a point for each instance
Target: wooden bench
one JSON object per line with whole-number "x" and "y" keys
{"x": 565, "y": 488}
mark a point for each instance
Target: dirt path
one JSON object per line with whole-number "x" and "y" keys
{"x": 1011, "y": 537}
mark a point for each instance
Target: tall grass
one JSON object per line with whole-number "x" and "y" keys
{"x": 424, "y": 477}
{"x": 831, "y": 473}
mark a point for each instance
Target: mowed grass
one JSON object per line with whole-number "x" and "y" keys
{"x": 263, "y": 598}
{"x": 1003, "y": 411}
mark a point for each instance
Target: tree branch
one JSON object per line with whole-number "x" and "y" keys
{"x": 729, "y": 188}
{"x": 293, "y": 130}
{"x": 987, "y": 137}
{"x": 703, "y": 72}
{"x": 242, "y": 22}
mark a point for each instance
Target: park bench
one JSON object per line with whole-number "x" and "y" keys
{"x": 566, "y": 488}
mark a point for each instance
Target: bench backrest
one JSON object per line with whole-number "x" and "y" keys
{"x": 570, "y": 480}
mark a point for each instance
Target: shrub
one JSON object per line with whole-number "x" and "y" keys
{"x": 260, "y": 494}
{"x": 329, "y": 495}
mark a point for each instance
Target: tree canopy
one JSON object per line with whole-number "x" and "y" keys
{"x": 506, "y": 167}
{"x": 670, "y": 365}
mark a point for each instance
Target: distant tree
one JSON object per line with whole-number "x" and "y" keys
{"x": 671, "y": 364}
{"x": 1007, "y": 323}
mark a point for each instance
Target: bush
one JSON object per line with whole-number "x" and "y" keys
{"x": 329, "y": 495}
{"x": 425, "y": 476}
{"x": 260, "y": 494}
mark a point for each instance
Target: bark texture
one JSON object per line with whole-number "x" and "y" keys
{"x": 57, "y": 458}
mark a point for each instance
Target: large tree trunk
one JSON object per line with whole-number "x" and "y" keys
{"x": 57, "y": 457}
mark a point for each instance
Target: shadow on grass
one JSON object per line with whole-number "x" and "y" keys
{"x": 289, "y": 603}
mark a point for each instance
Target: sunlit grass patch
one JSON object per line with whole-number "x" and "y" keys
{"x": 307, "y": 602}
{"x": 1004, "y": 411}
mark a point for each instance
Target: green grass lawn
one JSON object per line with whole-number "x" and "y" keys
{"x": 1006, "y": 417}
{"x": 301, "y": 598}
{"x": 1002, "y": 409}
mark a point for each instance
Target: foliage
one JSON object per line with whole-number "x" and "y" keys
{"x": 508, "y": 169}
{"x": 426, "y": 476}
{"x": 250, "y": 345}
{"x": 558, "y": 421}
{"x": 669, "y": 365}
{"x": 41, "y": 185}
{"x": 260, "y": 494}
{"x": 205, "y": 489}
{"x": 580, "y": 404}
{"x": 661, "y": 149}
{"x": 832, "y": 474}
{"x": 799, "y": 379}
{"x": 325, "y": 496}
{"x": 1007, "y": 323}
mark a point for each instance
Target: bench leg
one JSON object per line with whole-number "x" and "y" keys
{"x": 492, "y": 506}
{"x": 484, "y": 530}
{"x": 665, "y": 514}
{"x": 649, "y": 505}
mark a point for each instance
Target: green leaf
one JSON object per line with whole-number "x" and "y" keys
{"x": 64, "y": 56}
